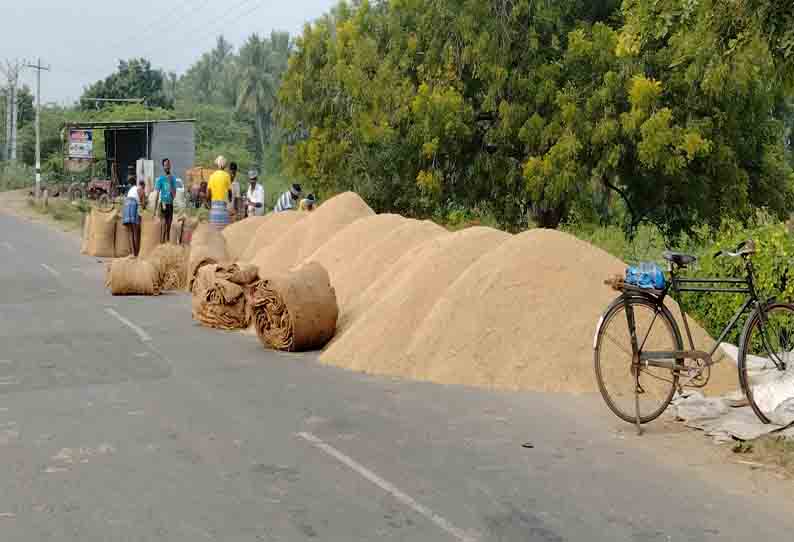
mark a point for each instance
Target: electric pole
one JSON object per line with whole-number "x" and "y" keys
{"x": 38, "y": 67}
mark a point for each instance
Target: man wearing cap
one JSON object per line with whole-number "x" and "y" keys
{"x": 289, "y": 199}
{"x": 219, "y": 190}
{"x": 256, "y": 195}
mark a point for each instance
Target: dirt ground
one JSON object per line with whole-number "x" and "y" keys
{"x": 15, "y": 202}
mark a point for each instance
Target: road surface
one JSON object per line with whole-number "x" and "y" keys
{"x": 120, "y": 419}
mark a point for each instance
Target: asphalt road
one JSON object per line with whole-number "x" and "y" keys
{"x": 122, "y": 420}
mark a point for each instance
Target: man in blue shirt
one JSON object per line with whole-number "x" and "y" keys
{"x": 166, "y": 192}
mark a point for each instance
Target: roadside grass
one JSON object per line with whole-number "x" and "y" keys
{"x": 15, "y": 175}
{"x": 65, "y": 212}
{"x": 769, "y": 450}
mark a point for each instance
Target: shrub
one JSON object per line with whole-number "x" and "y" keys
{"x": 772, "y": 265}
{"x": 15, "y": 175}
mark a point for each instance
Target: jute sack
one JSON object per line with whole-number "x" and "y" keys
{"x": 296, "y": 311}
{"x": 217, "y": 302}
{"x": 84, "y": 243}
{"x": 102, "y": 233}
{"x": 188, "y": 228}
{"x": 150, "y": 234}
{"x": 171, "y": 264}
{"x": 209, "y": 248}
{"x": 242, "y": 274}
{"x": 123, "y": 246}
{"x": 177, "y": 227}
{"x": 133, "y": 276}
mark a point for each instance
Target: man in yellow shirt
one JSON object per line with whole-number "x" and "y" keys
{"x": 219, "y": 189}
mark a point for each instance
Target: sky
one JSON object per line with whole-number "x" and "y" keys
{"x": 83, "y": 40}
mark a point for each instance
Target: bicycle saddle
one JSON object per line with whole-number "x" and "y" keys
{"x": 679, "y": 258}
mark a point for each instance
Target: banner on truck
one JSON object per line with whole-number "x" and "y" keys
{"x": 81, "y": 144}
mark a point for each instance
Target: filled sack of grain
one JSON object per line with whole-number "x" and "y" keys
{"x": 102, "y": 233}
{"x": 133, "y": 276}
{"x": 150, "y": 234}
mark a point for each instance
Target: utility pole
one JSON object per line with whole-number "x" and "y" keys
{"x": 38, "y": 67}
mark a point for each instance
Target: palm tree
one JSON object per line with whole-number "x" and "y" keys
{"x": 262, "y": 62}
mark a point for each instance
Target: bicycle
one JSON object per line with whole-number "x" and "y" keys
{"x": 651, "y": 362}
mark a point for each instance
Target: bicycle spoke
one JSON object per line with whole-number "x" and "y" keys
{"x": 616, "y": 343}
{"x": 650, "y": 327}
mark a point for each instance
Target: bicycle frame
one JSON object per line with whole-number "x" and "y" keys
{"x": 694, "y": 285}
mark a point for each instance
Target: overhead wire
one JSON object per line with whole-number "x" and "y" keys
{"x": 157, "y": 25}
{"x": 231, "y": 14}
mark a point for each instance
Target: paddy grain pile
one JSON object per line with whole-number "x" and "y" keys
{"x": 312, "y": 232}
{"x": 239, "y": 235}
{"x": 477, "y": 307}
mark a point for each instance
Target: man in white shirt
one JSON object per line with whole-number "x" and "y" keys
{"x": 256, "y": 195}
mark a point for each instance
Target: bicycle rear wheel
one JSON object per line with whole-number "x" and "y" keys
{"x": 765, "y": 345}
{"x": 631, "y": 390}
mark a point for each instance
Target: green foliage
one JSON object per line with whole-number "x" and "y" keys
{"x": 134, "y": 79}
{"x": 212, "y": 80}
{"x": 536, "y": 108}
{"x": 773, "y": 265}
{"x": 262, "y": 63}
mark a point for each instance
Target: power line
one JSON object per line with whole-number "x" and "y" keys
{"x": 215, "y": 22}
{"x": 157, "y": 25}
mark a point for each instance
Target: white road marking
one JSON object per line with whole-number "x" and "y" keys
{"x": 389, "y": 488}
{"x": 138, "y": 331}
{"x": 8, "y": 245}
{"x": 51, "y": 271}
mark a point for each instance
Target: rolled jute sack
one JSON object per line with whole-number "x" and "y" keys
{"x": 150, "y": 234}
{"x": 296, "y": 311}
{"x": 133, "y": 276}
{"x": 102, "y": 233}
{"x": 211, "y": 249}
{"x": 171, "y": 263}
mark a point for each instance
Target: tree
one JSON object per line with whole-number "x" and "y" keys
{"x": 536, "y": 107}
{"x": 426, "y": 105}
{"x": 134, "y": 79}
{"x": 213, "y": 78}
{"x": 262, "y": 63}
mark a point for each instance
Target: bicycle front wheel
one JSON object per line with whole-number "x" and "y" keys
{"x": 632, "y": 391}
{"x": 767, "y": 346}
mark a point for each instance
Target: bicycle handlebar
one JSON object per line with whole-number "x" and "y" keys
{"x": 745, "y": 248}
